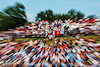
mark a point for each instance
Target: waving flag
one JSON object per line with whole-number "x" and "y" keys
{"x": 57, "y": 33}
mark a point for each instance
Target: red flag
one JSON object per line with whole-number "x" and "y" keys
{"x": 57, "y": 33}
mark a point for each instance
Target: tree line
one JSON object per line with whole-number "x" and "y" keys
{"x": 51, "y": 16}
{"x": 15, "y": 16}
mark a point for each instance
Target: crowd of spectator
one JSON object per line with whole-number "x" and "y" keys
{"x": 57, "y": 28}
{"x": 79, "y": 52}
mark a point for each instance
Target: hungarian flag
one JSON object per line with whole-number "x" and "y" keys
{"x": 57, "y": 33}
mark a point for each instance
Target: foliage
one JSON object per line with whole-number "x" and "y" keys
{"x": 49, "y": 15}
{"x": 12, "y": 17}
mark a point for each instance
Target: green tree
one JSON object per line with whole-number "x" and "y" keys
{"x": 79, "y": 15}
{"x": 49, "y": 15}
{"x": 41, "y": 16}
{"x": 13, "y": 16}
{"x": 73, "y": 14}
{"x": 64, "y": 16}
{"x": 45, "y": 15}
{"x": 57, "y": 16}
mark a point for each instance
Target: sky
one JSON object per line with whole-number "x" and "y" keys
{"x": 88, "y": 7}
